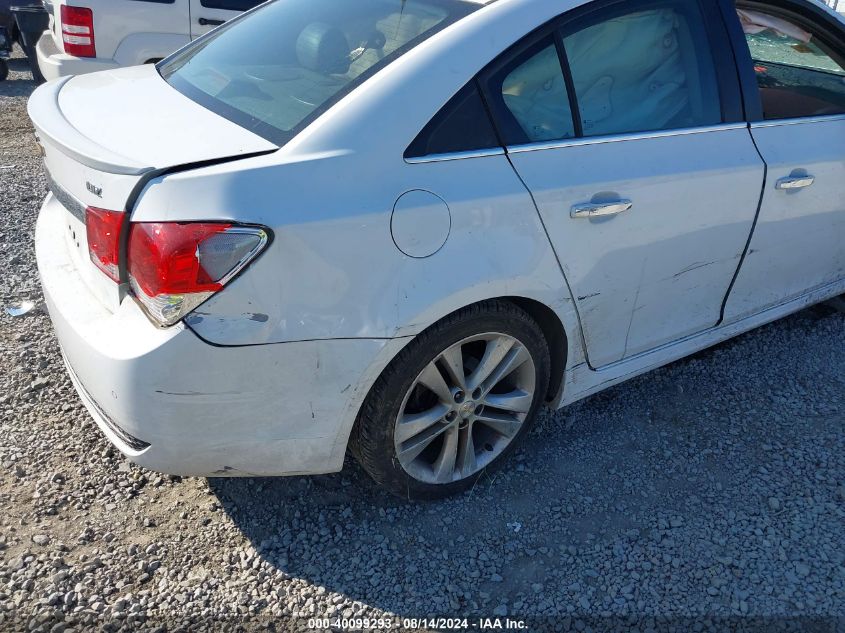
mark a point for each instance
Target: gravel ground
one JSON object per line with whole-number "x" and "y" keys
{"x": 709, "y": 495}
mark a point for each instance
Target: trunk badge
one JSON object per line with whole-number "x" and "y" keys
{"x": 97, "y": 191}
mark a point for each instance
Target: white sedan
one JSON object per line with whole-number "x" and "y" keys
{"x": 397, "y": 228}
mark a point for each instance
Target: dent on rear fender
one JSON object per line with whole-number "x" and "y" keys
{"x": 246, "y": 326}
{"x": 334, "y": 269}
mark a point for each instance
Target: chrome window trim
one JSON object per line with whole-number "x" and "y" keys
{"x": 438, "y": 158}
{"x": 798, "y": 121}
{"x": 618, "y": 138}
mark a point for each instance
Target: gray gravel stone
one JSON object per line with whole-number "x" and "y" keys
{"x": 651, "y": 499}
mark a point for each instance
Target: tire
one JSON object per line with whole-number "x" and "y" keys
{"x": 837, "y": 303}
{"x": 4, "y": 70}
{"x": 504, "y": 360}
{"x": 32, "y": 58}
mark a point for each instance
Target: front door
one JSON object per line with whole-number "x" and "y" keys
{"x": 649, "y": 192}
{"x": 208, "y": 14}
{"x": 799, "y": 241}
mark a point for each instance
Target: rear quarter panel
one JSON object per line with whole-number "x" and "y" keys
{"x": 333, "y": 270}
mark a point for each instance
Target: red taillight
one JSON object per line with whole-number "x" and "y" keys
{"x": 78, "y": 31}
{"x": 103, "y": 230}
{"x": 174, "y": 267}
{"x": 164, "y": 260}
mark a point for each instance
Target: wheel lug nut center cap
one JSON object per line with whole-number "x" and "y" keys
{"x": 467, "y": 408}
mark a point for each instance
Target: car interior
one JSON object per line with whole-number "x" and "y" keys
{"x": 535, "y": 93}
{"x": 311, "y": 59}
{"x": 646, "y": 71}
{"x": 797, "y": 74}
{"x": 641, "y": 71}
{"x": 633, "y": 73}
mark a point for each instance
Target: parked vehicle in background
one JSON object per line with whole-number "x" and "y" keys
{"x": 6, "y": 18}
{"x": 399, "y": 227}
{"x": 90, "y": 35}
{"x": 31, "y": 22}
{"x": 5, "y": 52}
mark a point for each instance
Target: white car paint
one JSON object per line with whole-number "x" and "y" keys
{"x": 267, "y": 377}
{"x": 797, "y": 236}
{"x": 247, "y": 427}
{"x": 174, "y": 132}
{"x": 127, "y": 33}
{"x": 205, "y": 15}
{"x": 625, "y": 270}
{"x": 76, "y": 153}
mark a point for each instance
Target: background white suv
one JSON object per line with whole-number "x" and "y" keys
{"x": 90, "y": 35}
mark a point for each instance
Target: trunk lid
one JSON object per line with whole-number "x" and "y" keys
{"x": 129, "y": 120}
{"x": 104, "y": 134}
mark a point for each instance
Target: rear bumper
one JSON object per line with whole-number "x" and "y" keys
{"x": 175, "y": 404}
{"x": 55, "y": 64}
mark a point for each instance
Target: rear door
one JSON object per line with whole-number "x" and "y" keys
{"x": 625, "y": 123}
{"x": 208, "y": 14}
{"x": 795, "y": 62}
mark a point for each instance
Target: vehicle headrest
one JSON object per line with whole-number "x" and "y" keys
{"x": 323, "y": 48}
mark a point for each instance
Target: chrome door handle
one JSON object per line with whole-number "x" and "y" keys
{"x": 795, "y": 182}
{"x": 600, "y": 209}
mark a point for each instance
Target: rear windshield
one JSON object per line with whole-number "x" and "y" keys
{"x": 275, "y": 69}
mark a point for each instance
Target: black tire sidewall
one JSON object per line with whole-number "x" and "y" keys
{"x": 376, "y": 449}
{"x": 32, "y": 58}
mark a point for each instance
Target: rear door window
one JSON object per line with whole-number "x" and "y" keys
{"x": 643, "y": 71}
{"x": 529, "y": 96}
{"x": 614, "y": 71}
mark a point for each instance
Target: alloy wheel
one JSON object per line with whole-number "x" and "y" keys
{"x": 465, "y": 408}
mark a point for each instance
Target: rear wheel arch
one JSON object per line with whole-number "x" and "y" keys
{"x": 556, "y": 339}
{"x": 371, "y": 438}
{"x": 550, "y": 324}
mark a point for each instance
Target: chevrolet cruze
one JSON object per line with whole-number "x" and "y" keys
{"x": 397, "y": 228}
